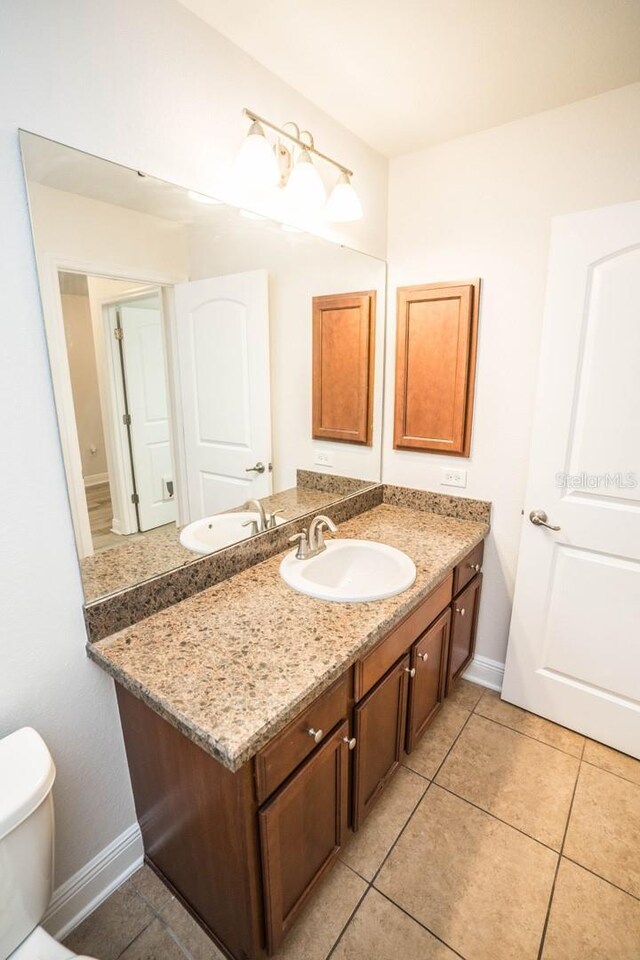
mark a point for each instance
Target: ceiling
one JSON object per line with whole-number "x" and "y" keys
{"x": 410, "y": 73}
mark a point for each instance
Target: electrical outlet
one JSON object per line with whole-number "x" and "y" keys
{"x": 453, "y": 478}
{"x": 323, "y": 459}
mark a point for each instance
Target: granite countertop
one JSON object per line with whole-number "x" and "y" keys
{"x": 148, "y": 554}
{"x": 230, "y": 666}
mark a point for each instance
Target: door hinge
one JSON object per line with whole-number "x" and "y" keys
{"x": 126, "y": 419}
{"x": 135, "y": 498}
{"x": 118, "y": 333}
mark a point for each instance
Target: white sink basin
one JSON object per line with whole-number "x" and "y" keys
{"x": 221, "y": 530}
{"x": 350, "y": 571}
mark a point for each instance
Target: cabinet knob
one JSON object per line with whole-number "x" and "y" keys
{"x": 350, "y": 742}
{"x": 411, "y": 671}
{"x": 316, "y": 734}
{"x": 423, "y": 656}
{"x": 460, "y": 610}
{"x": 474, "y": 566}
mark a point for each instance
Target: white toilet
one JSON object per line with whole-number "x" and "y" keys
{"x": 26, "y": 848}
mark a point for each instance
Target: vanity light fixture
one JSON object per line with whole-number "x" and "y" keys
{"x": 296, "y": 172}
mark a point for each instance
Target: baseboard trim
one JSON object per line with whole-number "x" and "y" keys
{"x": 486, "y": 672}
{"x": 95, "y": 478}
{"x": 85, "y": 890}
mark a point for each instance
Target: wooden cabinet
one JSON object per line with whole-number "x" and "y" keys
{"x": 379, "y": 727}
{"x": 343, "y": 365}
{"x": 243, "y": 851}
{"x": 464, "y": 622}
{"x": 428, "y": 678}
{"x": 436, "y": 342}
{"x": 302, "y": 829}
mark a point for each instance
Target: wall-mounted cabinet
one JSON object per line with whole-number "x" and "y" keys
{"x": 436, "y": 342}
{"x": 343, "y": 364}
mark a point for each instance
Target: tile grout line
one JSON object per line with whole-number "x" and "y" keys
{"x": 420, "y": 924}
{"x": 351, "y": 915}
{"x": 529, "y": 737}
{"x": 597, "y": 766}
{"x": 599, "y": 876}
{"x": 557, "y": 870}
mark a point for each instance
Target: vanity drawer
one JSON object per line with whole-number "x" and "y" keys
{"x": 467, "y": 568}
{"x": 281, "y": 756}
{"x": 375, "y": 665}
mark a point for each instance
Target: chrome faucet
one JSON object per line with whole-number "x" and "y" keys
{"x": 260, "y": 525}
{"x": 311, "y": 543}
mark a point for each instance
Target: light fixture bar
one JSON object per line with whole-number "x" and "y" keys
{"x": 301, "y": 143}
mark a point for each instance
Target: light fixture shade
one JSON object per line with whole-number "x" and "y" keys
{"x": 256, "y": 164}
{"x": 305, "y": 189}
{"x": 343, "y": 205}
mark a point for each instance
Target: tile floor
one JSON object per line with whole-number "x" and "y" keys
{"x": 502, "y": 837}
{"x": 101, "y": 517}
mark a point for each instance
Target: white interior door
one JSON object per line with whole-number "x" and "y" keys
{"x": 222, "y": 328}
{"x": 574, "y": 645}
{"x": 145, "y": 377}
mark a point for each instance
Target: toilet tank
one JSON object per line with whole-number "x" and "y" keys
{"x": 26, "y": 835}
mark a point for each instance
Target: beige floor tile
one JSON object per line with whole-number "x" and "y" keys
{"x": 150, "y": 886}
{"x": 324, "y": 917}
{"x": 590, "y": 919}
{"x": 437, "y": 741}
{"x": 190, "y": 934}
{"x": 604, "y": 828}
{"x": 465, "y": 694}
{"x": 379, "y": 930}
{"x": 618, "y": 763}
{"x": 112, "y": 927}
{"x": 478, "y": 884}
{"x": 494, "y": 708}
{"x": 520, "y": 780}
{"x": 370, "y": 845}
{"x": 154, "y": 943}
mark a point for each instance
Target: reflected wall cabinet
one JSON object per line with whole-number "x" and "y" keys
{"x": 436, "y": 341}
{"x": 343, "y": 357}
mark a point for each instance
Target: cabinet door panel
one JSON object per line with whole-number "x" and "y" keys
{"x": 302, "y": 830}
{"x": 464, "y": 621}
{"x": 380, "y": 722}
{"x": 426, "y": 687}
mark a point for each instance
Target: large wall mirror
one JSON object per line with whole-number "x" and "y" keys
{"x": 181, "y": 341}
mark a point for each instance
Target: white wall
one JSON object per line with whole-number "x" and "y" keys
{"x": 481, "y": 206}
{"x": 148, "y": 85}
{"x": 84, "y": 384}
{"x": 300, "y": 267}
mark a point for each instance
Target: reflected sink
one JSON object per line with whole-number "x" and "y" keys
{"x": 350, "y": 571}
{"x": 221, "y": 530}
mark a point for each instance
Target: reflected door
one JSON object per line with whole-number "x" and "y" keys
{"x": 573, "y": 646}
{"x": 223, "y": 344}
{"x": 146, "y": 386}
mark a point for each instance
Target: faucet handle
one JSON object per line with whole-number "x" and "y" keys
{"x": 272, "y": 517}
{"x": 303, "y": 544}
{"x": 254, "y": 527}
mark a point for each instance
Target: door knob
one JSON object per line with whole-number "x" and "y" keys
{"x": 259, "y": 468}
{"x": 350, "y": 742}
{"x": 411, "y": 671}
{"x": 539, "y": 519}
{"x": 316, "y": 735}
{"x": 423, "y": 656}
{"x": 460, "y": 610}
{"x": 474, "y": 566}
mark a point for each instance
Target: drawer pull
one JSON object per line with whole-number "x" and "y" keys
{"x": 411, "y": 671}
{"x": 474, "y": 566}
{"x": 460, "y": 610}
{"x": 350, "y": 742}
{"x": 316, "y": 734}
{"x": 424, "y": 657}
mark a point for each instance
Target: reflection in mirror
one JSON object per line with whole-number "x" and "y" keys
{"x": 180, "y": 335}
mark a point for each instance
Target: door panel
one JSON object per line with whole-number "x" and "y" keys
{"x": 464, "y": 623}
{"x": 426, "y": 687}
{"x": 145, "y": 377}
{"x": 379, "y": 727}
{"x": 571, "y": 654}
{"x": 223, "y": 346}
{"x": 302, "y": 830}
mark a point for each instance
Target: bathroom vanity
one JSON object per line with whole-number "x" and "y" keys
{"x": 261, "y": 726}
